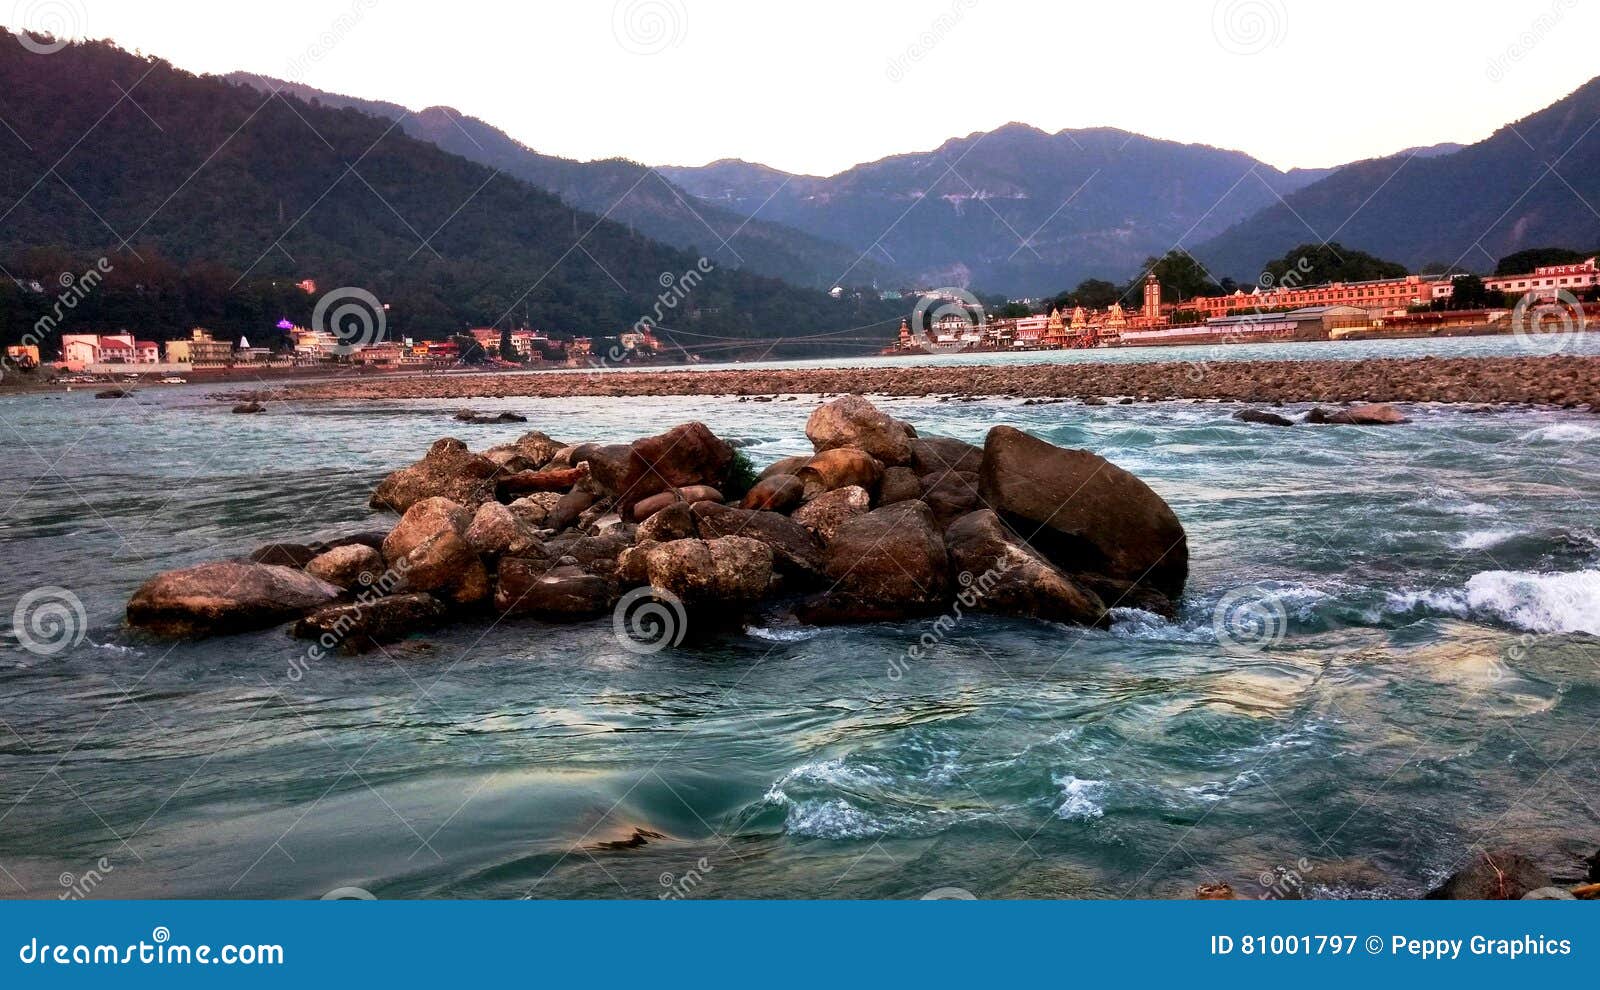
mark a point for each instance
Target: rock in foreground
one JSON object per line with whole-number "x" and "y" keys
{"x": 225, "y": 597}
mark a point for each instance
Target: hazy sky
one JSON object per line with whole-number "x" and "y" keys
{"x": 818, "y": 86}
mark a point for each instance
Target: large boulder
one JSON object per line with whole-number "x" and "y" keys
{"x": 934, "y": 454}
{"x": 854, "y": 422}
{"x": 495, "y": 531}
{"x": 840, "y": 468}
{"x": 529, "y": 452}
{"x": 686, "y": 455}
{"x": 284, "y": 554}
{"x": 899, "y": 484}
{"x": 449, "y": 470}
{"x": 888, "y": 563}
{"x": 357, "y": 627}
{"x": 951, "y": 494}
{"x": 729, "y": 569}
{"x": 1082, "y": 512}
{"x": 1492, "y": 875}
{"x": 774, "y": 493}
{"x": 225, "y": 597}
{"x": 824, "y": 514}
{"x": 608, "y": 464}
{"x": 1374, "y": 414}
{"x": 675, "y": 522}
{"x": 562, "y": 592}
{"x": 348, "y": 566}
{"x": 430, "y": 551}
{"x": 1001, "y": 574}
{"x": 796, "y": 552}
{"x": 785, "y": 465}
{"x": 534, "y": 510}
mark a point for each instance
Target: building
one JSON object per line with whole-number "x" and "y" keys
{"x": 23, "y": 355}
{"x": 1379, "y": 297}
{"x": 1546, "y": 281}
{"x": 201, "y": 350}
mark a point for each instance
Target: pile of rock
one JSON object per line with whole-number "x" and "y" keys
{"x": 878, "y": 523}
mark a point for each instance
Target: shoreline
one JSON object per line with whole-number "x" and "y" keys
{"x": 1565, "y": 381}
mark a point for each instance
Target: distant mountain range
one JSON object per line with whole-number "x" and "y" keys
{"x": 624, "y": 191}
{"x": 1013, "y": 210}
{"x": 1533, "y": 183}
{"x": 105, "y": 152}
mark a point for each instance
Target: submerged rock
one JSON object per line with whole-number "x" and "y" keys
{"x": 357, "y": 627}
{"x": 1493, "y": 875}
{"x": 1082, "y": 512}
{"x": 1374, "y": 414}
{"x": 225, "y": 597}
{"x": 1262, "y": 416}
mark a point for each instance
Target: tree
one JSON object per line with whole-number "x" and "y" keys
{"x": 1318, "y": 264}
{"x": 1091, "y": 293}
{"x": 1523, "y": 262}
{"x": 507, "y": 351}
{"x": 1181, "y": 278}
{"x": 1468, "y": 292}
{"x": 470, "y": 350}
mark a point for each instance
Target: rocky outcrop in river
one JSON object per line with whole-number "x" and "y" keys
{"x": 879, "y": 523}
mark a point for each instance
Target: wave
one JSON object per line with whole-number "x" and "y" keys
{"x": 1082, "y": 800}
{"x": 1533, "y": 602}
{"x": 785, "y": 634}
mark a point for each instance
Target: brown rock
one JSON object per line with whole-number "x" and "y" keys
{"x": 774, "y": 493}
{"x": 647, "y": 507}
{"x": 1262, "y": 416}
{"x": 688, "y": 454}
{"x": 950, "y": 494}
{"x": 996, "y": 572}
{"x": 449, "y": 470}
{"x": 785, "y": 465}
{"x": 569, "y": 507}
{"x": 728, "y": 569}
{"x": 1375, "y": 414}
{"x": 935, "y": 455}
{"x": 545, "y": 480}
{"x": 899, "y": 484}
{"x": 534, "y": 448}
{"x": 824, "y": 514}
{"x": 348, "y": 566}
{"x": 430, "y": 550}
{"x": 360, "y": 626}
{"x": 225, "y": 597}
{"x": 284, "y": 554}
{"x": 534, "y": 510}
{"x": 1082, "y": 512}
{"x": 890, "y": 561}
{"x": 1495, "y": 875}
{"x": 796, "y": 552}
{"x": 854, "y": 422}
{"x": 561, "y": 592}
{"x": 675, "y": 522}
{"x": 496, "y": 530}
{"x": 840, "y": 468}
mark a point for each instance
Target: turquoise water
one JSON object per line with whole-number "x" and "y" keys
{"x": 1420, "y": 676}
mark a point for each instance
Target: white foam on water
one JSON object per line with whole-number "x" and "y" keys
{"x": 1564, "y": 433}
{"x": 784, "y": 634}
{"x": 1566, "y": 602}
{"x": 1541, "y": 603}
{"x": 1482, "y": 539}
{"x": 1082, "y": 800}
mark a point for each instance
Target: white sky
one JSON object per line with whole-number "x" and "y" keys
{"x": 819, "y": 86}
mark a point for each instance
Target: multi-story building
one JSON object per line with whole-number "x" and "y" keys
{"x": 1546, "y": 281}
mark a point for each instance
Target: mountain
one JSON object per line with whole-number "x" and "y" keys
{"x": 1013, "y": 210}
{"x": 1532, "y": 183}
{"x": 108, "y": 153}
{"x": 621, "y": 190}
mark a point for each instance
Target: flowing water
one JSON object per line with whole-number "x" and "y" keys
{"x": 1387, "y": 653}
